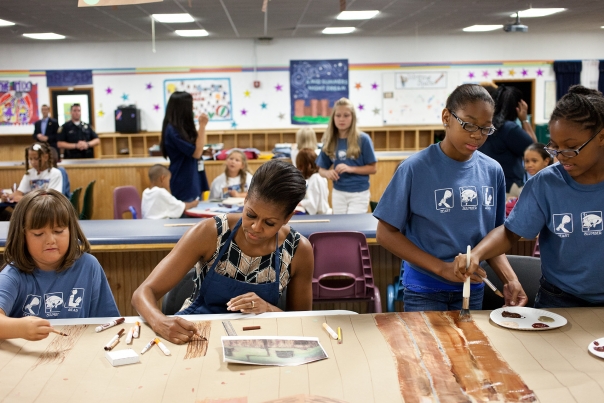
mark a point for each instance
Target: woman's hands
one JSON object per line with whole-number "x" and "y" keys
{"x": 33, "y": 328}
{"x": 250, "y": 303}
{"x": 330, "y": 174}
{"x": 522, "y": 110}
{"x": 203, "y": 119}
{"x": 176, "y": 329}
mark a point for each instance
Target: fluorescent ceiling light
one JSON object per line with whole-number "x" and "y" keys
{"x": 338, "y": 30}
{"x": 191, "y": 32}
{"x": 538, "y": 12}
{"x": 4, "y": 23}
{"x": 175, "y": 18}
{"x": 357, "y": 15}
{"x": 45, "y": 36}
{"x": 482, "y": 28}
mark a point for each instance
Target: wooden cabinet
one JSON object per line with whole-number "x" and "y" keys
{"x": 126, "y": 145}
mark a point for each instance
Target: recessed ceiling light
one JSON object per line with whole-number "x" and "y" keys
{"x": 538, "y": 12}
{"x": 357, "y": 15}
{"x": 4, "y": 23}
{"x": 173, "y": 18}
{"x": 338, "y": 30}
{"x": 191, "y": 32}
{"x": 482, "y": 28}
{"x": 45, "y": 36}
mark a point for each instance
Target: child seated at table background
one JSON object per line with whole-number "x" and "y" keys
{"x": 235, "y": 180}
{"x": 47, "y": 271}
{"x": 41, "y": 175}
{"x": 305, "y": 138}
{"x": 55, "y": 160}
{"x": 317, "y": 194}
{"x": 157, "y": 201}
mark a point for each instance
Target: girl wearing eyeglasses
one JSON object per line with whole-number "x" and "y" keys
{"x": 509, "y": 142}
{"x": 564, "y": 205}
{"x": 442, "y": 199}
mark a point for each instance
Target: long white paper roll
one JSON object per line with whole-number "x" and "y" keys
{"x": 466, "y": 284}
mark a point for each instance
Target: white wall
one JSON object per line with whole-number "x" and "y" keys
{"x": 460, "y": 54}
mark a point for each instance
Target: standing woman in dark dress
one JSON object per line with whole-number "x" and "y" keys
{"x": 183, "y": 145}
{"x": 508, "y": 143}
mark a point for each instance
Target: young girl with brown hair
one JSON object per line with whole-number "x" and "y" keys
{"x": 235, "y": 180}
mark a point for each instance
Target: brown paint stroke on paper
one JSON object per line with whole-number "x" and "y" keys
{"x": 498, "y": 373}
{"x": 225, "y": 400}
{"x": 305, "y": 399}
{"x": 61, "y": 345}
{"x": 441, "y": 359}
{"x": 199, "y": 346}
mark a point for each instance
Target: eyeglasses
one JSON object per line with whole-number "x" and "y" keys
{"x": 568, "y": 153}
{"x": 471, "y": 127}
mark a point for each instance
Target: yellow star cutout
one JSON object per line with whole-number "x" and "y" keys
{"x": 101, "y": 113}
{"x": 246, "y": 93}
{"x": 512, "y": 72}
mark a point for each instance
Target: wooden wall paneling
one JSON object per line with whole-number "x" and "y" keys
{"x": 409, "y": 140}
{"x": 11, "y": 175}
{"x": 259, "y": 140}
{"x": 12, "y": 148}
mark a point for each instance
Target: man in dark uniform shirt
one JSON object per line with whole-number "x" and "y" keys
{"x": 77, "y": 138}
{"x": 45, "y": 129}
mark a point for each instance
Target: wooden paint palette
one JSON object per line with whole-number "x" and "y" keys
{"x": 524, "y": 318}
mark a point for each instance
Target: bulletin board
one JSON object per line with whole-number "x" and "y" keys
{"x": 211, "y": 96}
{"x": 412, "y": 98}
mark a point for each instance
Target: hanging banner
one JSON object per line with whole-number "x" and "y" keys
{"x": 314, "y": 87}
{"x": 96, "y": 3}
{"x": 211, "y": 96}
{"x": 18, "y": 103}
{"x": 68, "y": 78}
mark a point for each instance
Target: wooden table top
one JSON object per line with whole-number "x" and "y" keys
{"x": 366, "y": 367}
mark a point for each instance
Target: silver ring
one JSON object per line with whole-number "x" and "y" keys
{"x": 253, "y": 305}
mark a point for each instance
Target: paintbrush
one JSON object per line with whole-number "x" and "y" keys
{"x": 57, "y": 332}
{"x": 464, "y": 314}
{"x": 492, "y": 286}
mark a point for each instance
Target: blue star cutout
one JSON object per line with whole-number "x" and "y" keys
{"x": 233, "y": 124}
{"x": 125, "y": 97}
{"x": 263, "y": 105}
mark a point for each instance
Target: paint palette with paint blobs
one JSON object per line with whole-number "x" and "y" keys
{"x": 525, "y": 318}
{"x": 596, "y": 347}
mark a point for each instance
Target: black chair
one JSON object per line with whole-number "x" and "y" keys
{"x": 174, "y": 298}
{"x": 88, "y": 204}
{"x": 75, "y": 200}
{"x": 528, "y": 271}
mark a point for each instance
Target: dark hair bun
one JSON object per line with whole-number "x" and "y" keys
{"x": 581, "y": 90}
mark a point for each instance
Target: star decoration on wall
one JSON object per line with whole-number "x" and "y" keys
{"x": 278, "y": 87}
{"x": 149, "y": 86}
{"x": 109, "y": 90}
{"x": 233, "y": 124}
{"x": 358, "y": 86}
{"x": 263, "y": 105}
{"x": 376, "y": 111}
{"x": 281, "y": 116}
{"x": 471, "y": 74}
{"x": 374, "y": 86}
{"x": 524, "y": 73}
{"x": 246, "y": 94}
{"x": 485, "y": 74}
{"x": 101, "y": 113}
{"x": 511, "y": 72}
{"x": 539, "y": 73}
{"x": 243, "y": 112}
{"x": 361, "y": 107}
{"x": 499, "y": 73}
{"x": 125, "y": 97}
{"x": 156, "y": 107}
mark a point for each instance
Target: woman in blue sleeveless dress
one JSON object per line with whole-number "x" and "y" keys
{"x": 243, "y": 261}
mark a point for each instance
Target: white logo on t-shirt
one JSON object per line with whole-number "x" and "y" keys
{"x": 468, "y": 196}
{"x": 52, "y": 301}
{"x": 444, "y": 198}
{"x": 341, "y": 154}
{"x": 32, "y": 305}
{"x": 75, "y": 299}
{"x": 489, "y": 199}
{"x": 563, "y": 223}
{"x": 591, "y": 221}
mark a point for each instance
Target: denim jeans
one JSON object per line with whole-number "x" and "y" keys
{"x": 550, "y": 296}
{"x": 440, "y": 301}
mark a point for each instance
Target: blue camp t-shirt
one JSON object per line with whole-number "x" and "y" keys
{"x": 185, "y": 183}
{"x": 442, "y": 206}
{"x": 81, "y": 291}
{"x": 568, "y": 218}
{"x": 350, "y": 182}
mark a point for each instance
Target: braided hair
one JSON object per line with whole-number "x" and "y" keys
{"x": 39, "y": 148}
{"x": 582, "y": 106}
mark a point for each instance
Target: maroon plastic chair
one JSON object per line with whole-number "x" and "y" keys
{"x": 126, "y": 199}
{"x": 343, "y": 269}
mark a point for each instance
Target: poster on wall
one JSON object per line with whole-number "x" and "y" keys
{"x": 314, "y": 87}
{"x": 211, "y": 96}
{"x": 18, "y": 103}
{"x": 421, "y": 80}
